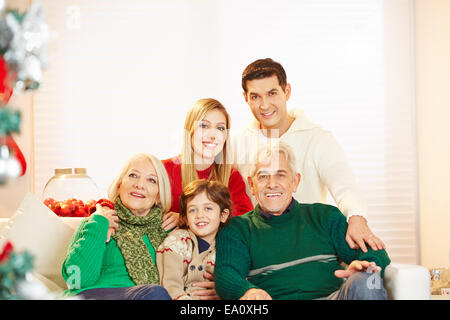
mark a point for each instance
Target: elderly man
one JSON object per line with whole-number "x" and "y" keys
{"x": 284, "y": 249}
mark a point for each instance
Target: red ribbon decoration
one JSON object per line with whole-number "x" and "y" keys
{"x": 5, "y": 88}
{"x": 15, "y": 150}
{"x": 6, "y": 252}
{"x": 6, "y": 92}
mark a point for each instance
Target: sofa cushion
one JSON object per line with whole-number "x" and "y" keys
{"x": 407, "y": 282}
{"x": 35, "y": 228}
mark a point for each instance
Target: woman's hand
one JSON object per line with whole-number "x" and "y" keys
{"x": 170, "y": 220}
{"x": 112, "y": 217}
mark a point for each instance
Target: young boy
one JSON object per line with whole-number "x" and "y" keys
{"x": 188, "y": 252}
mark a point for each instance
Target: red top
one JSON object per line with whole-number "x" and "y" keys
{"x": 239, "y": 198}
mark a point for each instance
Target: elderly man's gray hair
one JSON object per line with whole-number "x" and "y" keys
{"x": 267, "y": 151}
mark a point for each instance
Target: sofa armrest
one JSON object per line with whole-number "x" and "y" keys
{"x": 49, "y": 284}
{"x": 407, "y": 282}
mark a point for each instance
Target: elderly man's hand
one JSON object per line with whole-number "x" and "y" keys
{"x": 357, "y": 266}
{"x": 256, "y": 294}
{"x": 359, "y": 233}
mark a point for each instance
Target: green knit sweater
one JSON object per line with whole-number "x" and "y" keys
{"x": 291, "y": 256}
{"x": 92, "y": 263}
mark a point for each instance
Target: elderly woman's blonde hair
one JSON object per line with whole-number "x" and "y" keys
{"x": 266, "y": 152}
{"x": 165, "y": 197}
{"x": 221, "y": 170}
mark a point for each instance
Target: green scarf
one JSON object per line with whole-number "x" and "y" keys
{"x": 138, "y": 261}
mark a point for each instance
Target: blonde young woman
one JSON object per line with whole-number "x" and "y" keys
{"x": 112, "y": 254}
{"x": 205, "y": 155}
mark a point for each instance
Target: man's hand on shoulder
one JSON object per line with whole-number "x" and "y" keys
{"x": 359, "y": 233}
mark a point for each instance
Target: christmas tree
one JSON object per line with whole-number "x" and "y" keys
{"x": 22, "y": 58}
{"x": 13, "y": 270}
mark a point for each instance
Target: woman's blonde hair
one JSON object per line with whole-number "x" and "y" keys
{"x": 165, "y": 196}
{"x": 221, "y": 170}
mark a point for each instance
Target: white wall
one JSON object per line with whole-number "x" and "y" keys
{"x": 433, "y": 118}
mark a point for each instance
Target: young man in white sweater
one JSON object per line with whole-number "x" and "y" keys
{"x": 320, "y": 159}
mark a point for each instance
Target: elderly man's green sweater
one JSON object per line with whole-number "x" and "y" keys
{"x": 291, "y": 256}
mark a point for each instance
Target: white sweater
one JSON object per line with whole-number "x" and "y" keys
{"x": 321, "y": 162}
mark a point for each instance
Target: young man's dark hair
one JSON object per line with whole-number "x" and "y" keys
{"x": 264, "y": 68}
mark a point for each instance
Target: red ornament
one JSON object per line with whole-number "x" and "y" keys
{"x": 9, "y": 141}
{"x": 88, "y": 206}
{"x": 76, "y": 208}
{"x": 5, "y": 87}
{"x": 6, "y": 92}
{"x": 7, "y": 249}
{"x": 104, "y": 203}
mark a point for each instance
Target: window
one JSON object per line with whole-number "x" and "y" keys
{"x": 124, "y": 74}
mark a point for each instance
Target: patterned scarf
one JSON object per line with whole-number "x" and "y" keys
{"x": 138, "y": 261}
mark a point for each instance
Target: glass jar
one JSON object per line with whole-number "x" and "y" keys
{"x": 69, "y": 192}
{"x": 439, "y": 280}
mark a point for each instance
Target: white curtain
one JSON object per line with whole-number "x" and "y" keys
{"x": 124, "y": 73}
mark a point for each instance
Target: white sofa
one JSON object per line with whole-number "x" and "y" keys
{"x": 46, "y": 236}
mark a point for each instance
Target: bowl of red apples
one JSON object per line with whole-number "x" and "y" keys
{"x": 76, "y": 208}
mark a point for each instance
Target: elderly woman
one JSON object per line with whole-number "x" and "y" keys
{"x": 112, "y": 254}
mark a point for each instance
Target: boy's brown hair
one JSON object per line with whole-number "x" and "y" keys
{"x": 264, "y": 68}
{"x": 215, "y": 191}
